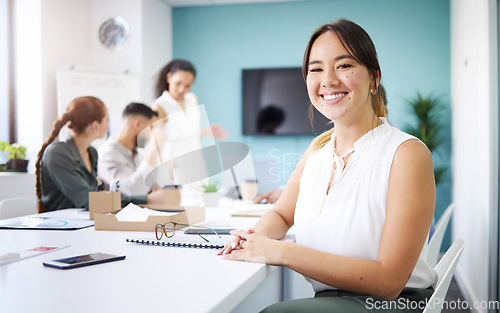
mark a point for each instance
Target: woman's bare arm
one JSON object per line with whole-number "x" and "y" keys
{"x": 410, "y": 207}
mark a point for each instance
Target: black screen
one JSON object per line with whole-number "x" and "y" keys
{"x": 275, "y": 102}
{"x": 85, "y": 258}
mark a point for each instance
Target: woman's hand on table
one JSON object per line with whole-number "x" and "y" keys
{"x": 247, "y": 245}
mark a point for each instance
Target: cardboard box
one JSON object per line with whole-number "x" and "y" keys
{"x": 173, "y": 196}
{"x": 104, "y": 201}
{"x": 185, "y": 215}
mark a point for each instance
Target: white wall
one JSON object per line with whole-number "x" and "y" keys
{"x": 474, "y": 98}
{"x": 4, "y": 73}
{"x": 130, "y": 56}
{"x": 156, "y": 42}
{"x": 28, "y": 74}
{"x": 51, "y": 33}
{"x": 64, "y": 42}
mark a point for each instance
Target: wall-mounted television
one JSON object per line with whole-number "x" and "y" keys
{"x": 275, "y": 102}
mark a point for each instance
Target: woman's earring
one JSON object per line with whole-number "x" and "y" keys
{"x": 373, "y": 91}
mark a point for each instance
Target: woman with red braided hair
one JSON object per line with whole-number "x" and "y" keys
{"x": 67, "y": 171}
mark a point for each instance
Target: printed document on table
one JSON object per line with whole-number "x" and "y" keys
{"x": 44, "y": 222}
{"x": 134, "y": 213}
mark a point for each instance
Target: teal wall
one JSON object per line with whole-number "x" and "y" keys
{"x": 412, "y": 40}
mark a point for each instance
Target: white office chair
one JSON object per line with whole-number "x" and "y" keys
{"x": 437, "y": 237}
{"x": 15, "y": 207}
{"x": 444, "y": 269}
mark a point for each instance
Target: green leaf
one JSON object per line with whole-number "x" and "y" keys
{"x": 427, "y": 126}
{"x": 439, "y": 174}
{"x": 210, "y": 186}
{"x": 16, "y": 152}
{"x": 4, "y": 145}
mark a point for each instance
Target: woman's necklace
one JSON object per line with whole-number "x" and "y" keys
{"x": 339, "y": 161}
{"x": 337, "y": 153}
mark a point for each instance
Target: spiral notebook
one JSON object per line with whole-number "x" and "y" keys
{"x": 180, "y": 244}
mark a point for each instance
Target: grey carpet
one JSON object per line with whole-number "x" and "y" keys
{"x": 453, "y": 297}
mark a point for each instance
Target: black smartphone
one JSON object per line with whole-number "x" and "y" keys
{"x": 208, "y": 231}
{"x": 83, "y": 260}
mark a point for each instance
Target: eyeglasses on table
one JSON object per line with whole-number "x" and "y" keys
{"x": 168, "y": 229}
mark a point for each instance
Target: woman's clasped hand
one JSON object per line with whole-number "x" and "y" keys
{"x": 247, "y": 245}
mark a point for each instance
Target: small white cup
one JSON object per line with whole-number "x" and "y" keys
{"x": 249, "y": 189}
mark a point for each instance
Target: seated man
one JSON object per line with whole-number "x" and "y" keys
{"x": 119, "y": 158}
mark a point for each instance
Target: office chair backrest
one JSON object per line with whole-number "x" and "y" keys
{"x": 445, "y": 269}
{"x": 15, "y": 207}
{"x": 437, "y": 237}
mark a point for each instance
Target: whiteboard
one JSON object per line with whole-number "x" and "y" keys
{"x": 115, "y": 89}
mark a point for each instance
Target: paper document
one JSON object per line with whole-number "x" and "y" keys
{"x": 44, "y": 222}
{"x": 24, "y": 254}
{"x": 134, "y": 213}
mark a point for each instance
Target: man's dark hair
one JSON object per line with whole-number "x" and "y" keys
{"x": 136, "y": 108}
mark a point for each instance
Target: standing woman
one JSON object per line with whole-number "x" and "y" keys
{"x": 361, "y": 198}
{"x": 179, "y": 105}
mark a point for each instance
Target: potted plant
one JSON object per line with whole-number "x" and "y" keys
{"x": 210, "y": 194}
{"x": 428, "y": 126}
{"x": 16, "y": 155}
{"x": 3, "y": 155}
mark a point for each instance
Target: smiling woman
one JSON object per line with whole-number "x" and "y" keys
{"x": 346, "y": 65}
{"x": 336, "y": 82}
{"x": 366, "y": 196}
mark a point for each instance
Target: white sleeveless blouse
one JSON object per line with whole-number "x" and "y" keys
{"x": 349, "y": 220}
{"x": 183, "y": 127}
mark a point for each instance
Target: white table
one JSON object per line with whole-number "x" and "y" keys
{"x": 150, "y": 279}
